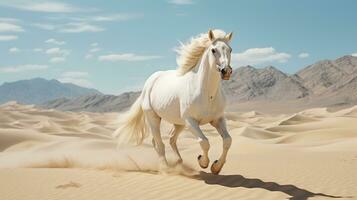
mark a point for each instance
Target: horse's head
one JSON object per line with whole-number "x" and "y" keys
{"x": 220, "y": 53}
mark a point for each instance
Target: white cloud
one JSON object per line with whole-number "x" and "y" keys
{"x": 354, "y": 54}
{"x": 113, "y": 17}
{"x": 10, "y": 20}
{"x": 76, "y": 77}
{"x": 57, "y": 60}
{"x": 126, "y": 57}
{"x": 79, "y": 27}
{"x": 6, "y": 25}
{"x": 9, "y": 27}
{"x": 88, "y": 56}
{"x": 8, "y": 37}
{"x": 14, "y": 50}
{"x": 44, "y": 6}
{"x": 48, "y": 27}
{"x": 22, "y": 68}
{"x": 98, "y": 18}
{"x": 57, "y": 52}
{"x": 53, "y": 51}
{"x": 54, "y": 41}
{"x": 303, "y": 55}
{"x": 37, "y": 50}
{"x": 58, "y": 55}
{"x": 72, "y": 27}
{"x": 93, "y": 50}
{"x": 181, "y": 2}
{"x": 258, "y": 56}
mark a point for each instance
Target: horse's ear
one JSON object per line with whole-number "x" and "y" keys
{"x": 210, "y": 35}
{"x": 229, "y": 36}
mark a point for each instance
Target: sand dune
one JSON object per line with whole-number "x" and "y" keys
{"x": 48, "y": 154}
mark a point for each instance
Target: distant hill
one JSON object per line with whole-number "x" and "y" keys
{"x": 326, "y": 83}
{"x": 94, "y": 103}
{"x": 328, "y": 76}
{"x": 332, "y": 81}
{"x": 251, "y": 84}
{"x": 39, "y": 90}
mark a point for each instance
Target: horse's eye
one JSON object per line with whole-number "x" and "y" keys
{"x": 213, "y": 51}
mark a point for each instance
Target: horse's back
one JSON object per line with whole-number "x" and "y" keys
{"x": 162, "y": 95}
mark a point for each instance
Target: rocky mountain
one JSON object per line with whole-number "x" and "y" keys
{"x": 39, "y": 90}
{"x": 248, "y": 83}
{"x": 332, "y": 81}
{"x": 325, "y": 83}
{"x": 327, "y": 76}
{"x": 94, "y": 103}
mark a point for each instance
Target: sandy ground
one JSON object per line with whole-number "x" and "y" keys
{"x": 48, "y": 154}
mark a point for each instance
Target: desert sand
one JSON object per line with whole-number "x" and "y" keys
{"x": 48, "y": 154}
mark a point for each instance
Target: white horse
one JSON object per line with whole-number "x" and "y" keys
{"x": 189, "y": 96}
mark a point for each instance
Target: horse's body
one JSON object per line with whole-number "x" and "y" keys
{"x": 169, "y": 99}
{"x": 190, "y": 98}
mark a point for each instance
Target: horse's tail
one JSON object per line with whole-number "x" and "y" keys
{"x": 132, "y": 127}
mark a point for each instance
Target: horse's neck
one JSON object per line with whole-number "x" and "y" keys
{"x": 208, "y": 80}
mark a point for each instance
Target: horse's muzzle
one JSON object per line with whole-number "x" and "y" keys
{"x": 226, "y": 73}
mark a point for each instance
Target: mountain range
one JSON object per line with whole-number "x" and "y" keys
{"x": 337, "y": 78}
{"x": 39, "y": 90}
{"x": 94, "y": 103}
{"x": 326, "y": 83}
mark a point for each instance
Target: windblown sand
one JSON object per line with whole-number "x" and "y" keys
{"x": 47, "y": 154}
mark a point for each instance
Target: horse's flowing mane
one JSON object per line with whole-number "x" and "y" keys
{"x": 190, "y": 53}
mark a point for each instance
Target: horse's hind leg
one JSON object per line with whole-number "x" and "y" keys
{"x": 173, "y": 138}
{"x": 154, "y": 123}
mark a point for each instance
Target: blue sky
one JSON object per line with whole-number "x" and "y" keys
{"x": 114, "y": 46}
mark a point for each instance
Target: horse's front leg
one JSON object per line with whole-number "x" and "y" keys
{"x": 220, "y": 125}
{"x": 194, "y": 127}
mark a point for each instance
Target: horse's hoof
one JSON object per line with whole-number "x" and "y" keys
{"x": 215, "y": 169}
{"x": 202, "y": 165}
{"x": 178, "y": 162}
{"x": 163, "y": 168}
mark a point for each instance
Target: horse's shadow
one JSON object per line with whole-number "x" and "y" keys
{"x": 233, "y": 181}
